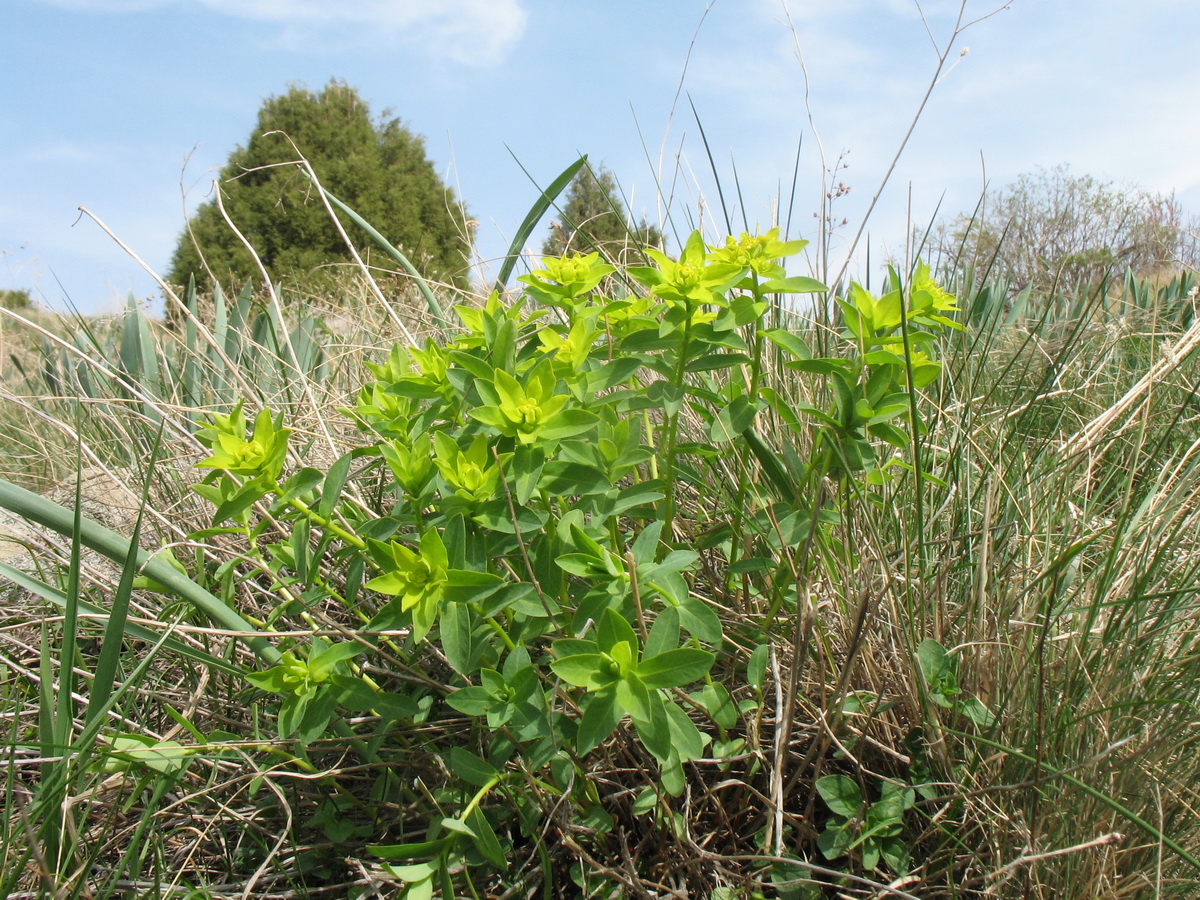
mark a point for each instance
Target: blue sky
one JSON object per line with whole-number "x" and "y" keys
{"x": 128, "y": 108}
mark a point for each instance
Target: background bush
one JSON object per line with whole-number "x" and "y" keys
{"x": 378, "y": 167}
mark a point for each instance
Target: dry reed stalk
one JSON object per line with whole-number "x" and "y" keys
{"x": 1090, "y": 434}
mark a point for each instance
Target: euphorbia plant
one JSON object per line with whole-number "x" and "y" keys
{"x": 534, "y": 565}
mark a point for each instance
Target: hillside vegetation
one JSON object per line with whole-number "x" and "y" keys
{"x": 627, "y": 580}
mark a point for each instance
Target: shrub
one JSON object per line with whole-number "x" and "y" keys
{"x": 377, "y": 167}
{"x": 1052, "y": 229}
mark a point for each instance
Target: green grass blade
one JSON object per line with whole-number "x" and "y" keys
{"x": 116, "y": 548}
{"x": 70, "y": 627}
{"x": 712, "y": 165}
{"x": 192, "y": 353}
{"x": 1090, "y": 791}
{"x": 431, "y": 301}
{"x": 109, "y": 660}
{"x": 543, "y": 203}
{"x": 130, "y": 629}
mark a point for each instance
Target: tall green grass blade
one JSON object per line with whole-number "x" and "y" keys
{"x": 191, "y": 393}
{"x": 138, "y": 360}
{"x": 46, "y": 805}
{"x": 239, "y": 318}
{"x": 116, "y": 548}
{"x": 712, "y": 165}
{"x": 131, "y": 630}
{"x": 431, "y": 301}
{"x": 525, "y": 229}
{"x": 70, "y": 627}
{"x": 109, "y": 659}
{"x": 1108, "y": 801}
{"x": 309, "y": 350}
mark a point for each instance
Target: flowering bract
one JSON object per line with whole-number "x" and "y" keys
{"x": 468, "y": 474}
{"x": 532, "y": 411}
{"x": 574, "y": 347}
{"x": 758, "y": 252}
{"x": 418, "y": 580}
{"x": 263, "y": 453}
{"x": 567, "y": 278}
{"x": 693, "y": 279}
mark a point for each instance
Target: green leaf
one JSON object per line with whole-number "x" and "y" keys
{"x": 431, "y": 302}
{"x": 718, "y": 703}
{"x": 788, "y": 341}
{"x": 272, "y": 680}
{"x": 655, "y": 730}
{"x": 976, "y": 712}
{"x": 797, "y": 284}
{"x": 598, "y": 721}
{"x": 471, "y": 701}
{"x": 932, "y": 657}
{"x": 673, "y": 779}
{"x": 300, "y": 484}
{"x": 133, "y": 630}
{"x": 894, "y": 852}
{"x": 323, "y": 663}
{"x": 409, "y": 851}
{"x": 472, "y": 768}
{"x": 841, "y": 795}
{"x": 486, "y": 841}
{"x": 291, "y": 714}
{"x": 645, "y": 802}
{"x": 614, "y": 630}
{"x": 634, "y": 698}
{"x": 421, "y": 890}
{"x": 529, "y": 223}
{"x": 357, "y": 695}
{"x": 569, "y": 478}
{"x": 335, "y": 481}
{"x": 700, "y": 619}
{"x": 525, "y": 471}
{"x": 870, "y": 854}
{"x": 756, "y": 667}
{"x": 583, "y": 670}
{"x": 457, "y": 625}
{"x": 820, "y": 366}
{"x": 164, "y": 757}
{"x": 568, "y": 423}
{"x": 732, "y": 420}
{"x": 613, "y": 373}
{"x": 573, "y": 647}
{"x": 675, "y": 668}
{"x": 415, "y": 873}
{"x": 835, "y": 841}
{"x": 686, "y": 739}
{"x": 469, "y": 586}
{"x": 241, "y": 500}
{"x": 664, "y": 634}
{"x": 458, "y": 826}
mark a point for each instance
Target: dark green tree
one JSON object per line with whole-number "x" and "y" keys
{"x": 15, "y": 299}
{"x": 378, "y": 167}
{"x": 594, "y": 218}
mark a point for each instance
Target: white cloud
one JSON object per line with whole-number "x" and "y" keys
{"x": 473, "y": 32}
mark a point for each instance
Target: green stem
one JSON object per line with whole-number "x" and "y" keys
{"x": 673, "y": 431}
{"x": 739, "y": 505}
{"x": 326, "y": 524}
{"x": 479, "y": 795}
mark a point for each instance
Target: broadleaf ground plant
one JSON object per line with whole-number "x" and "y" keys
{"x": 539, "y": 597}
